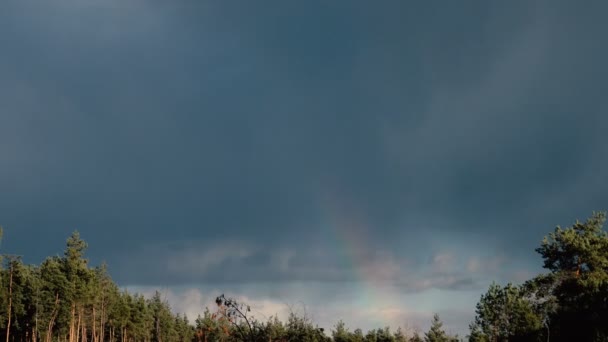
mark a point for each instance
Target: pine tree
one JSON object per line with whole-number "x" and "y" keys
{"x": 577, "y": 258}
{"x": 505, "y": 313}
{"x": 53, "y": 313}
{"x": 475, "y": 334}
{"x": 416, "y": 338}
{"x": 76, "y": 273}
{"x": 275, "y": 330}
{"x": 3, "y": 294}
{"x": 340, "y": 332}
{"x": 436, "y": 332}
{"x": 399, "y": 336}
{"x": 384, "y": 335}
{"x": 370, "y": 336}
{"x": 357, "y": 335}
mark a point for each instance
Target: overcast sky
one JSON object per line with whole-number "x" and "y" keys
{"x": 371, "y": 161}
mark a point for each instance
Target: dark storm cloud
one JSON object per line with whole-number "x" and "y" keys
{"x": 237, "y": 123}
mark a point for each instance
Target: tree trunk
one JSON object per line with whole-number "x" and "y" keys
{"x": 102, "y": 323}
{"x": 10, "y": 302}
{"x": 72, "y": 332}
{"x": 35, "y": 328}
{"x": 49, "y": 332}
{"x": 158, "y": 336}
{"x": 78, "y": 322}
{"x": 94, "y": 336}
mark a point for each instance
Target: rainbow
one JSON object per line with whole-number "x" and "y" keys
{"x": 349, "y": 232}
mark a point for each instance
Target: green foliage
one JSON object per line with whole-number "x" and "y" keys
{"x": 504, "y": 313}
{"x": 208, "y": 328}
{"x": 575, "y": 291}
{"x": 436, "y": 332}
{"x": 64, "y": 299}
{"x": 399, "y": 336}
{"x": 340, "y": 333}
{"x": 302, "y": 329}
{"x": 416, "y": 338}
{"x": 570, "y": 303}
{"x": 476, "y": 335}
{"x": 380, "y": 335}
{"x": 358, "y": 335}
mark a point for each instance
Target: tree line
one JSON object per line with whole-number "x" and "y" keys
{"x": 64, "y": 299}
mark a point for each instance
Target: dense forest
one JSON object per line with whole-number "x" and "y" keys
{"x": 66, "y": 299}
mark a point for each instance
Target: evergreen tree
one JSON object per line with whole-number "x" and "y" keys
{"x": 436, "y": 332}
{"x": 399, "y": 336}
{"x": 275, "y": 329}
{"x": 340, "y": 333}
{"x": 384, "y": 335}
{"x": 54, "y": 314}
{"x": 358, "y": 335}
{"x": 371, "y": 336}
{"x": 504, "y": 313}
{"x": 577, "y": 286}
{"x": 476, "y": 335}
{"x": 63, "y": 299}
{"x": 76, "y": 273}
{"x": 302, "y": 329}
{"x": 416, "y": 338}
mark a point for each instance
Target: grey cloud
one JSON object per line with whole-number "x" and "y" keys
{"x": 206, "y": 159}
{"x": 225, "y": 262}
